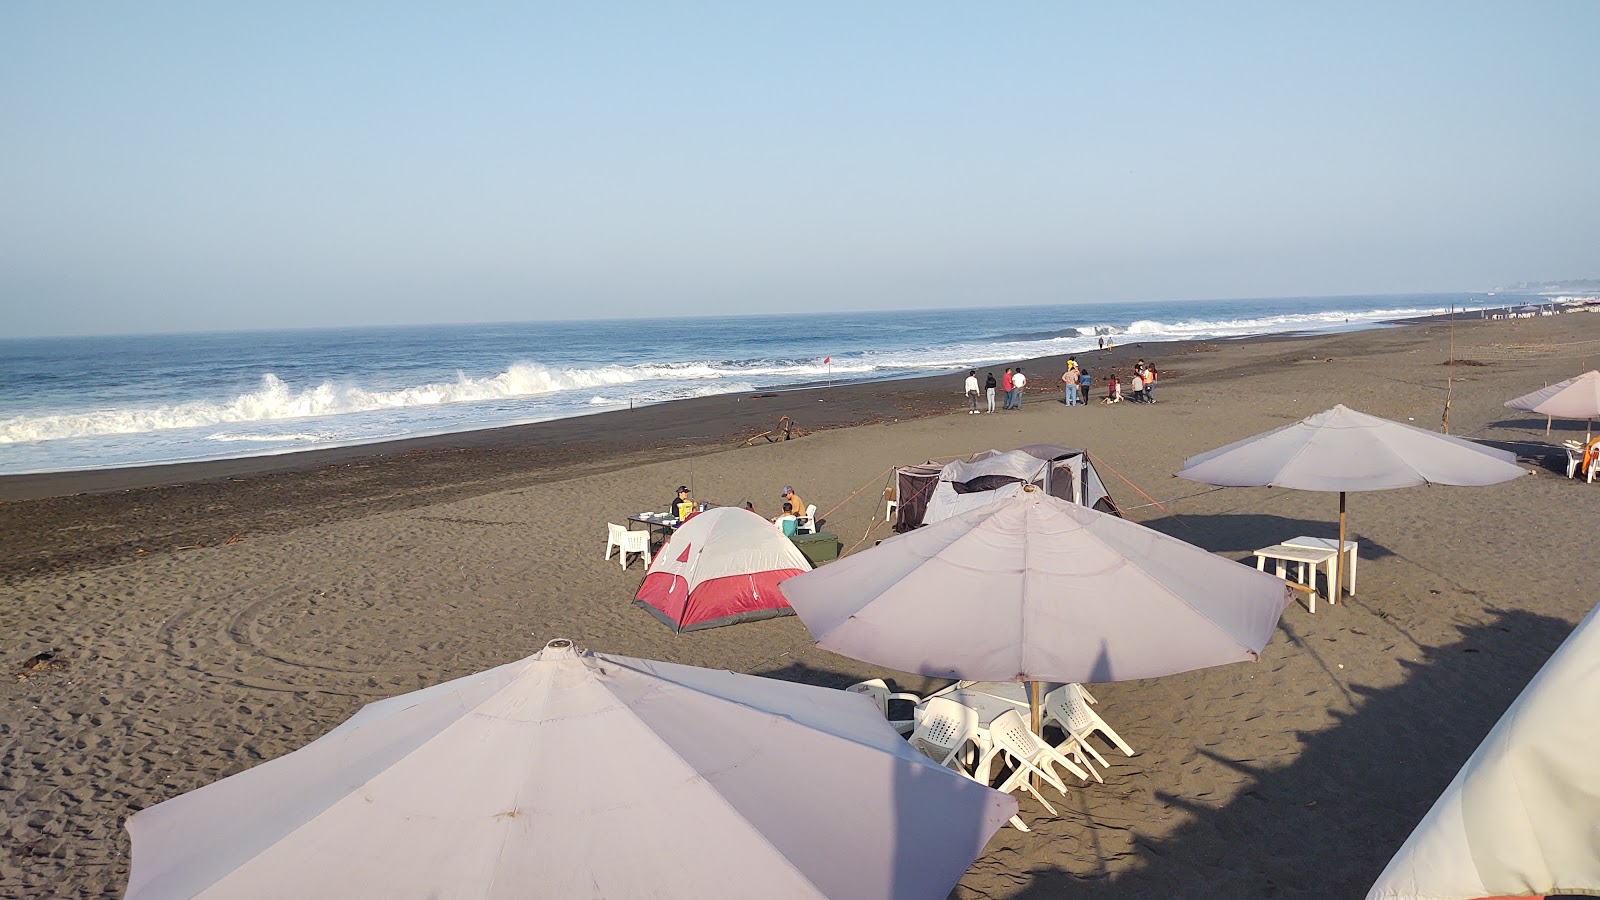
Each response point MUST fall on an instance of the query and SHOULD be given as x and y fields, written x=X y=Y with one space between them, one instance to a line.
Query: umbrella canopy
x=1032 y=588
x=1519 y=818
x=1575 y=398
x=1344 y=450
x=571 y=774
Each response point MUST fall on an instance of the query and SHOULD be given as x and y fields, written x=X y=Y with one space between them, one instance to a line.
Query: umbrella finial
x=560 y=648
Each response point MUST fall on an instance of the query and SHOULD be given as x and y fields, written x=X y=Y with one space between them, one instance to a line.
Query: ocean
x=98 y=402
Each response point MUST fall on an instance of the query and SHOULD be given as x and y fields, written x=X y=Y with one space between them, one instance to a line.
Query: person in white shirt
x=1018 y=382
x=1137 y=383
x=971 y=388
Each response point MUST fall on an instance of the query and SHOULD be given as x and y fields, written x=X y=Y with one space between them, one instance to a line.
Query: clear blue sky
x=188 y=166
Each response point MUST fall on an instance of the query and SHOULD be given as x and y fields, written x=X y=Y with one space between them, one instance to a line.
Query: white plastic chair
x=809 y=523
x=943 y=729
x=1574 y=456
x=1058 y=712
x=628 y=542
x=1031 y=755
x=1066 y=708
x=878 y=690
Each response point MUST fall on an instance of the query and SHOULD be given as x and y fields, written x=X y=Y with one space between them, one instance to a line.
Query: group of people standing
x=1011 y=383
x=1075 y=385
x=1141 y=387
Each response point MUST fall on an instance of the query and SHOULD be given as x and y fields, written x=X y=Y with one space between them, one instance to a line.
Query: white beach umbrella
x=1520 y=818
x=1032 y=588
x=1575 y=398
x=575 y=774
x=1344 y=450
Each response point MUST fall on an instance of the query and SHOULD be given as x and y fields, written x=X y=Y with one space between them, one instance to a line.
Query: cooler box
x=818 y=548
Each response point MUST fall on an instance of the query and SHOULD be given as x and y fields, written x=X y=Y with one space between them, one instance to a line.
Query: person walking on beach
x=1149 y=384
x=971 y=387
x=1006 y=388
x=1018 y=382
x=1102 y=343
x=1085 y=383
x=1069 y=385
x=989 y=386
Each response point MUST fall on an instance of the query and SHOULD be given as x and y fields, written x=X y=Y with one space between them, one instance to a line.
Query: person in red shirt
x=1006 y=387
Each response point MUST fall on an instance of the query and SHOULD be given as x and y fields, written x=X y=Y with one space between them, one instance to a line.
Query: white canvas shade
x=1344 y=450
x=1575 y=398
x=573 y=774
x=1033 y=588
x=1520 y=818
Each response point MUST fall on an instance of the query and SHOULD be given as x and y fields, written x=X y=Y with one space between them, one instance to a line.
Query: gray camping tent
x=932 y=492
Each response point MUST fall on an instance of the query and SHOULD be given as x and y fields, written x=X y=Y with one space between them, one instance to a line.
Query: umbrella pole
x=1338 y=557
x=1038 y=729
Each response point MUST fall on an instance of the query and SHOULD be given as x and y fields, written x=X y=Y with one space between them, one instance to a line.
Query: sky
x=203 y=166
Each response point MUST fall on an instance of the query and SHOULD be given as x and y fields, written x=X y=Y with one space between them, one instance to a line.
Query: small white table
x=1350 y=556
x=1308 y=559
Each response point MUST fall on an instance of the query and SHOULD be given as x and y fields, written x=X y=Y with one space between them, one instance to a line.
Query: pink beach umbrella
x=1575 y=398
x=1344 y=450
x=577 y=774
x=1033 y=588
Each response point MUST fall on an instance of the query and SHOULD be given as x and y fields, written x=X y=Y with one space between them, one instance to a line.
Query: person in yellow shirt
x=795 y=503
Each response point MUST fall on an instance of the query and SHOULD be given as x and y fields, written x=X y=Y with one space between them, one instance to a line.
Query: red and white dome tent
x=720 y=568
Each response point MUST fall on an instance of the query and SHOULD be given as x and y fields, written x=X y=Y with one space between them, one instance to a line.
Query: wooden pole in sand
x=1338 y=558
x=1038 y=729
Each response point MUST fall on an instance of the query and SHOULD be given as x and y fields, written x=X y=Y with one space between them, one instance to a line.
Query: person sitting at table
x=681 y=506
x=793 y=500
x=788 y=523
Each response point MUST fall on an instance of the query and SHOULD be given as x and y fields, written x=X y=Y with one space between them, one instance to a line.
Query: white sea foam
x=249 y=437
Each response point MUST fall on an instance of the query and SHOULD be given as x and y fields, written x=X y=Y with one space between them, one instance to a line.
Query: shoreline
x=139 y=510
x=862 y=401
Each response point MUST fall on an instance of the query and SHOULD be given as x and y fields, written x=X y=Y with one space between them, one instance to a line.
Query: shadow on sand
x=1244 y=532
x=1326 y=824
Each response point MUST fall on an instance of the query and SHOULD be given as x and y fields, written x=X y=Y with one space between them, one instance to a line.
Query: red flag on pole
x=826 y=360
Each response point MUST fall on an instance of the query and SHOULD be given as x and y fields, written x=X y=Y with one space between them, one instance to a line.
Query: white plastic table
x=1351 y=557
x=1308 y=560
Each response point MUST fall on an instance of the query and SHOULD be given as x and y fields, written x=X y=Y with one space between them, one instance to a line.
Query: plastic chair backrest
x=1011 y=734
x=617 y=532
x=877 y=689
x=945 y=725
x=1070 y=709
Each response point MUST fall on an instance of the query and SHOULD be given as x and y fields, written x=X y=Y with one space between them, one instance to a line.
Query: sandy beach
x=201 y=619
